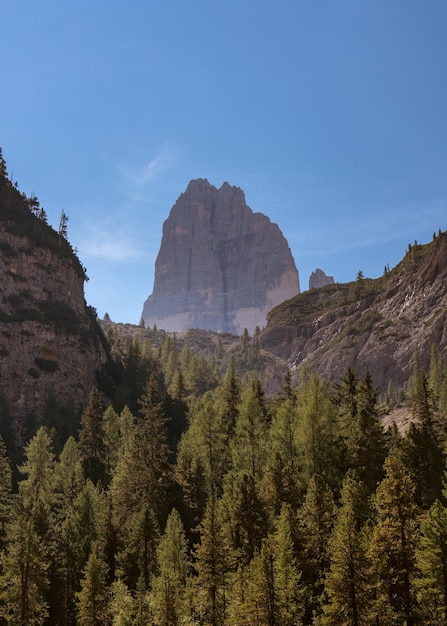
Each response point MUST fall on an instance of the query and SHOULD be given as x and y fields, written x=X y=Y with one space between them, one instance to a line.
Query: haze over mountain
x=220 y=266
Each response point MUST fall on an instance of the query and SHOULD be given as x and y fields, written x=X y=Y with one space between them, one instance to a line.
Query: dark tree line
x=300 y=509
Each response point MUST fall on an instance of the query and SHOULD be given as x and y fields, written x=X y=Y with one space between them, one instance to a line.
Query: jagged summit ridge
x=220 y=266
x=319 y=279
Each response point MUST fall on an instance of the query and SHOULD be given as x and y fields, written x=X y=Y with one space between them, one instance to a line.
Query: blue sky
x=331 y=115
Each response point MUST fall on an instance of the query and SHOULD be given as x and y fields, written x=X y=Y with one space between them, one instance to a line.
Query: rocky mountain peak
x=220 y=266
x=319 y=279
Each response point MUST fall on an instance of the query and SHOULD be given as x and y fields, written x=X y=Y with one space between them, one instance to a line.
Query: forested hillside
x=195 y=499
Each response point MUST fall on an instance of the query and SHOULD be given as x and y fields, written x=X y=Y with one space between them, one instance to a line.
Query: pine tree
x=173 y=565
x=288 y=580
x=91 y=439
x=393 y=544
x=231 y=393
x=151 y=446
x=239 y=597
x=431 y=566
x=86 y=519
x=248 y=446
x=142 y=476
x=126 y=423
x=24 y=578
x=347 y=585
x=260 y=598
x=112 y=439
x=67 y=563
x=282 y=479
x=69 y=477
x=211 y=567
x=202 y=458
x=421 y=448
x=93 y=598
x=317 y=434
x=316 y=520
x=272 y=592
x=363 y=434
x=122 y=605
x=137 y=557
x=244 y=518
x=37 y=488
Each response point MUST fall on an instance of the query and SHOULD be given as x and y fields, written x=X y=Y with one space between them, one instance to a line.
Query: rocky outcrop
x=220 y=266
x=50 y=343
x=319 y=279
x=375 y=325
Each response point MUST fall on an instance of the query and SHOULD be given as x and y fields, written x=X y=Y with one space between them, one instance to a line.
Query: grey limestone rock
x=220 y=266
x=319 y=279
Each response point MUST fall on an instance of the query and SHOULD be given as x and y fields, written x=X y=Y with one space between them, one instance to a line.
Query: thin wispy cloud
x=111 y=243
x=137 y=178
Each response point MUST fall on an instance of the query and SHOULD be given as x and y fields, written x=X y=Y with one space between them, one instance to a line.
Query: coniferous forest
x=194 y=499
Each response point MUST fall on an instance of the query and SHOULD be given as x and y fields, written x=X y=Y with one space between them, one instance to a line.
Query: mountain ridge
x=369 y=324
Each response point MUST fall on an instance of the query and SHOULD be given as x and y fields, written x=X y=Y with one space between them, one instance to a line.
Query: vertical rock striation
x=220 y=266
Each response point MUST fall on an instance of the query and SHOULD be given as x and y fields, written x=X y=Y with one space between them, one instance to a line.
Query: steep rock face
x=50 y=343
x=374 y=325
x=319 y=279
x=220 y=266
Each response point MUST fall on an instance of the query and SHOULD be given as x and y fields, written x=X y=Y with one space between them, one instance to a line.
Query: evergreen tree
x=86 y=516
x=282 y=479
x=122 y=605
x=347 y=584
x=240 y=596
x=317 y=435
x=66 y=571
x=151 y=439
x=260 y=596
x=288 y=582
x=142 y=475
x=431 y=566
x=91 y=439
x=37 y=507
x=364 y=436
x=137 y=557
x=421 y=449
x=202 y=458
x=67 y=564
x=316 y=520
x=211 y=567
x=69 y=477
x=248 y=446
x=112 y=439
x=272 y=593
x=392 y=548
x=231 y=394
x=173 y=565
x=190 y=475
x=126 y=423
x=38 y=485
x=24 y=577
x=93 y=598
x=244 y=518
